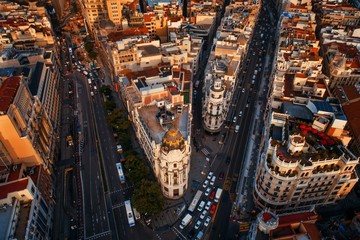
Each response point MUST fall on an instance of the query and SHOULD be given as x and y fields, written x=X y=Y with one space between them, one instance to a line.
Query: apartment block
x=26 y=200
x=159 y=103
x=302 y=168
x=221 y=73
x=28 y=86
x=350 y=101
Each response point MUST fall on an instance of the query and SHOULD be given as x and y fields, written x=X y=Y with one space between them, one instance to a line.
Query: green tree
x=109 y=105
x=89 y=47
x=136 y=169
x=147 y=198
x=106 y=90
x=118 y=120
x=92 y=55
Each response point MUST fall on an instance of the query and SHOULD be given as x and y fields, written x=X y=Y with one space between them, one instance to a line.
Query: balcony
x=327 y=169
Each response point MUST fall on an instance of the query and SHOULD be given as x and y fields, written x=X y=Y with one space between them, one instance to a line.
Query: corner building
x=303 y=171
x=174 y=162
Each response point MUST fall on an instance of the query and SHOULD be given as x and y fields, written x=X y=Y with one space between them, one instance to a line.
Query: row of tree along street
x=147 y=197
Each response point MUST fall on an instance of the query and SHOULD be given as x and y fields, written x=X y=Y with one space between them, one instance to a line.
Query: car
x=212 y=194
x=240 y=113
x=234 y=119
x=213 y=209
x=243 y=90
x=221 y=176
x=205 y=184
x=212 y=182
x=201 y=206
x=203 y=214
x=247 y=105
x=207 y=221
x=210 y=174
x=237 y=128
x=208 y=205
x=197 y=224
x=207 y=192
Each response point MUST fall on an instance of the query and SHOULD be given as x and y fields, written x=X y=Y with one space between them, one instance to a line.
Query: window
x=175 y=165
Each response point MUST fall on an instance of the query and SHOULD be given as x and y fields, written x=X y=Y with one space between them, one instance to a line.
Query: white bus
x=195 y=201
x=129 y=213
x=120 y=172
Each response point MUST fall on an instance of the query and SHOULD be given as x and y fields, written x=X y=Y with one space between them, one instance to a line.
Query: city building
x=302 y=167
x=29 y=83
x=350 y=100
x=286 y=226
x=342 y=64
x=221 y=73
x=159 y=104
x=26 y=203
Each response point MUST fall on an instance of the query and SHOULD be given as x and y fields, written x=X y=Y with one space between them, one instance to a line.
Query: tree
x=118 y=120
x=92 y=55
x=136 y=169
x=106 y=90
x=109 y=105
x=89 y=47
x=148 y=198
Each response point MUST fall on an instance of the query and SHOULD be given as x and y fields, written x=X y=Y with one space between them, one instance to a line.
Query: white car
x=201 y=206
x=203 y=214
x=243 y=90
x=234 y=119
x=206 y=183
x=208 y=205
x=212 y=182
x=240 y=114
x=207 y=221
x=197 y=224
x=207 y=192
x=209 y=176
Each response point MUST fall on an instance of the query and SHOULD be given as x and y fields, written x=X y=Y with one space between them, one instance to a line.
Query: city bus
x=120 y=172
x=195 y=201
x=129 y=213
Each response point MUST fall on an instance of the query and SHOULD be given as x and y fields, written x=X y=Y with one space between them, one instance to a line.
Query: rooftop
x=13 y=186
x=8 y=92
x=155 y=130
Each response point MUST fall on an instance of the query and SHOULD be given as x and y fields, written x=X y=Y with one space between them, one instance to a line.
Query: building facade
x=302 y=168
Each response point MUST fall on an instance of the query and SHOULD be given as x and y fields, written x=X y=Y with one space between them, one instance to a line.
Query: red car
x=212 y=209
x=212 y=194
x=221 y=176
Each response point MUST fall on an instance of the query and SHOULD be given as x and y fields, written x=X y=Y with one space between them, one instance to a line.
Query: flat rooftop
x=148 y=115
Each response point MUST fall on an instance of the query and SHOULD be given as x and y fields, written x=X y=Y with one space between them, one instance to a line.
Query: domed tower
x=174 y=164
x=214 y=116
x=267 y=221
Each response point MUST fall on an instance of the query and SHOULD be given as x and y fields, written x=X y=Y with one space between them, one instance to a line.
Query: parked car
x=212 y=194
x=207 y=221
x=208 y=205
x=221 y=176
x=207 y=192
x=197 y=224
x=213 y=209
x=209 y=176
x=212 y=182
x=203 y=214
x=205 y=184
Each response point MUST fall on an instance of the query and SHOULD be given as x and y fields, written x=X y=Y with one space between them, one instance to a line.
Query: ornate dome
x=172 y=139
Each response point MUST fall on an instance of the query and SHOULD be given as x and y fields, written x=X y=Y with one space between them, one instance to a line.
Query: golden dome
x=172 y=139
